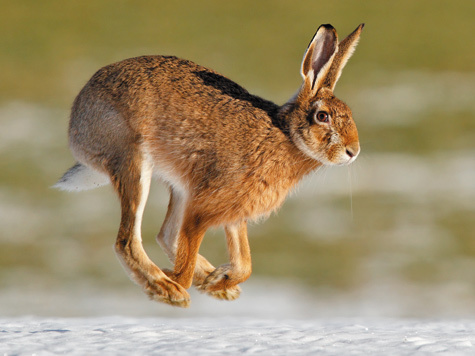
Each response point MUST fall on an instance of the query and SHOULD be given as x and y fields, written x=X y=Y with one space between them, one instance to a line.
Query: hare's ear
x=345 y=51
x=318 y=58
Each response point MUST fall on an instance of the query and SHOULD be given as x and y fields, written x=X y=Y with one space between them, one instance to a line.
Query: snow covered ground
x=278 y=319
x=234 y=336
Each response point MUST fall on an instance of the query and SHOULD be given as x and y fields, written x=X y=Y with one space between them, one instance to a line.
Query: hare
x=226 y=155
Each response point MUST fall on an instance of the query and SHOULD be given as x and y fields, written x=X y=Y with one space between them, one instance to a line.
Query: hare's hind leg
x=225 y=278
x=131 y=178
x=168 y=239
x=168 y=235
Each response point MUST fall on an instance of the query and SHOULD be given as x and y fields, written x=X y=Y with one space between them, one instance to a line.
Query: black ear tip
x=362 y=25
x=327 y=26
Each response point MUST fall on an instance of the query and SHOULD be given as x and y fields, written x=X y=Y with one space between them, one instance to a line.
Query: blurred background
x=392 y=235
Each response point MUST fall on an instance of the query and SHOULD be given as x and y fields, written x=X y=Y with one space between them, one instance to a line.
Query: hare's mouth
x=349 y=161
x=342 y=157
x=352 y=151
x=347 y=154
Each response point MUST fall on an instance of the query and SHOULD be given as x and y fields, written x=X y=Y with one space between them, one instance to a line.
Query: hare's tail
x=80 y=177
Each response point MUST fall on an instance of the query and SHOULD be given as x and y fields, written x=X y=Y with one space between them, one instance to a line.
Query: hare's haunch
x=227 y=156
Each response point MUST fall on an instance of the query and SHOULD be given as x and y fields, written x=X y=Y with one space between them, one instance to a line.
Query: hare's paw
x=220 y=284
x=165 y=290
x=231 y=293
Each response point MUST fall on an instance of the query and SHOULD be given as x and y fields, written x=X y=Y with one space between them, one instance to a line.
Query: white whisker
x=351 y=192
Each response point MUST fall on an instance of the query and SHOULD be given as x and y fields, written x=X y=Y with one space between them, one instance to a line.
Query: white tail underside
x=80 y=177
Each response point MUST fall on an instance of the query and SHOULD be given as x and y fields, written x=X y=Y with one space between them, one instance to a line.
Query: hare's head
x=320 y=124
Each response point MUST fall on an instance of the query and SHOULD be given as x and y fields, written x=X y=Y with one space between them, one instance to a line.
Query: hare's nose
x=352 y=150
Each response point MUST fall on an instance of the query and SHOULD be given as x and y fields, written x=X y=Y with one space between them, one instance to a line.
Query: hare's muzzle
x=352 y=151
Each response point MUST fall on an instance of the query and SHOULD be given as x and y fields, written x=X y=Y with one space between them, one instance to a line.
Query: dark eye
x=322 y=116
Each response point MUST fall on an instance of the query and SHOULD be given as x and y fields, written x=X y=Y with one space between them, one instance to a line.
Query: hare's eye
x=322 y=116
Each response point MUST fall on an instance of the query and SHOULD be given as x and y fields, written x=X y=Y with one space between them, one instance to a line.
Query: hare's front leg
x=226 y=278
x=131 y=178
x=168 y=240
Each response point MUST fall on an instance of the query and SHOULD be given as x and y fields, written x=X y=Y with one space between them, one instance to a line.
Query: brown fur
x=227 y=156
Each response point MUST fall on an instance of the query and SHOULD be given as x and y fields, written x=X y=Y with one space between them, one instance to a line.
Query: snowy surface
x=268 y=319
x=234 y=336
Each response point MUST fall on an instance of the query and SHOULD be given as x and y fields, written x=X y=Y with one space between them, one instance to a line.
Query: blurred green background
x=394 y=234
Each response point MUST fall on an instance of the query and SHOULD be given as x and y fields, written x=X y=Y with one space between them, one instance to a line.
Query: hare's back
x=149 y=79
x=168 y=95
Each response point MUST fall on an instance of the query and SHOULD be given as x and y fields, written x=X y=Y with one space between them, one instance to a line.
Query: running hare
x=227 y=156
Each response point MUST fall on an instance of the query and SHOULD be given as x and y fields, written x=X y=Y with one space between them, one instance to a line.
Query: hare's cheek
x=322 y=140
x=333 y=154
x=315 y=141
x=304 y=139
x=333 y=148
